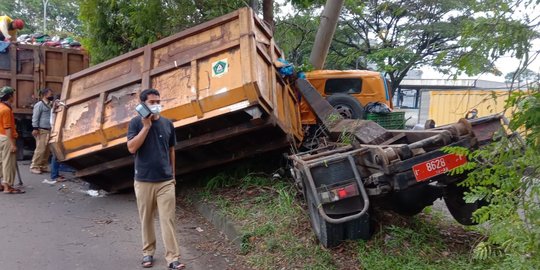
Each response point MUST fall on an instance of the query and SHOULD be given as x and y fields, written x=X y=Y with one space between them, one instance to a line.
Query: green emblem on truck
x=219 y=68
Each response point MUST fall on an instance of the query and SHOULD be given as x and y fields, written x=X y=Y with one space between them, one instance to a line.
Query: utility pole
x=325 y=33
x=45 y=3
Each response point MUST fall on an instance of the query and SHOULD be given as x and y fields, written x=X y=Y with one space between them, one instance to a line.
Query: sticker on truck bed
x=219 y=68
x=437 y=166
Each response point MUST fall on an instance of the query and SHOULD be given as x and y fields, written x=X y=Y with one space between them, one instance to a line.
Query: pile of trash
x=45 y=40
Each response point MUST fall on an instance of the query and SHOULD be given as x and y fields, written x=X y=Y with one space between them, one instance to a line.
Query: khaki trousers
x=40 y=160
x=8 y=162
x=160 y=195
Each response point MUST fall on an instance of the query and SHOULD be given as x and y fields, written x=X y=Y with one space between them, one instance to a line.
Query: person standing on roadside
x=8 y=146
x=41 y=124
x=152 y=140
x=55 y=165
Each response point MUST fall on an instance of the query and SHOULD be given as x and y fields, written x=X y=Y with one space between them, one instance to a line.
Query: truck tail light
x=339 y=193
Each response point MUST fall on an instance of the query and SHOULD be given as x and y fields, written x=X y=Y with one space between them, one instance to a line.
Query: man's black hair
x=144 y=94
x=6 y=97
x=44 y=91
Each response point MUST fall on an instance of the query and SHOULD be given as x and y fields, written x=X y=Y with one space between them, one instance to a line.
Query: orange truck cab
x=348 y=91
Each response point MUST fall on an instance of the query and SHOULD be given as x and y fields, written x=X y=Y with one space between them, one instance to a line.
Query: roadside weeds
x=274 y=231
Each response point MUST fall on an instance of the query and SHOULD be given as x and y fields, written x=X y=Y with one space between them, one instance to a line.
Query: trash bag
x=284 y=67
x=4 y=46
x=377 y=107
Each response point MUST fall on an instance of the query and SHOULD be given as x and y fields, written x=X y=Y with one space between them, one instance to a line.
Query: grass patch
x=425 y=241
x=276 y=233
x=274 y=225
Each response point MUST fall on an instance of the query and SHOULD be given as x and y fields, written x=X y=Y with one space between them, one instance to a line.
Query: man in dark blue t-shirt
x=152 y=140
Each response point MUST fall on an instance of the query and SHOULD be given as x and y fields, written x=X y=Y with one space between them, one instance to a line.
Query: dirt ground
x=60 y=226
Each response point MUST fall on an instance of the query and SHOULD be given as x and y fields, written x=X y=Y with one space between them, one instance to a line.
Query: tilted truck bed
x=218 y=85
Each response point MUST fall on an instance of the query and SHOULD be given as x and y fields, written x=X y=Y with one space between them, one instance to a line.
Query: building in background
x=445 y=100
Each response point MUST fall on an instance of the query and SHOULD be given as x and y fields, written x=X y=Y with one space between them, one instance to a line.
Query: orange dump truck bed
x=28 y=68
x=218 y=85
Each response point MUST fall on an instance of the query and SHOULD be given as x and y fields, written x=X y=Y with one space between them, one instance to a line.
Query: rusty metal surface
x=207 y=105
x=28 y=68
x=364 y=131
x=486 y=127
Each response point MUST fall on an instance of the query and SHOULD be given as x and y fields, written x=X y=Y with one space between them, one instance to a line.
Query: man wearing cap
x=8 y=136
x=9 y=27
x=41 y=124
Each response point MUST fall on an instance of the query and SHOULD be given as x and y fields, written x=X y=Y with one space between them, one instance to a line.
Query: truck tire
x=347 y=106
x=359 y=228
x=413 y=200
x=329 y=234
x=460 y=210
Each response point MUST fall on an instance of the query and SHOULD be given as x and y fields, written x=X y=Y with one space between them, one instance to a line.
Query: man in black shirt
x=152 y=140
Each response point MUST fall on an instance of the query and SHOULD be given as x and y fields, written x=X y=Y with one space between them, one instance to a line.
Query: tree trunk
x=254 y=4
x=268 y=13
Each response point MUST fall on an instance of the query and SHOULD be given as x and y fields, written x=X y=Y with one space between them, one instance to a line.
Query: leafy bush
x=506 y=174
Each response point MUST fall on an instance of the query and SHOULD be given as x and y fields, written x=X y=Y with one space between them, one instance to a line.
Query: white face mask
x=155 y=109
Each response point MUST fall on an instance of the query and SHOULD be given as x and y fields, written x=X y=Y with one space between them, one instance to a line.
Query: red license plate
x=437 y=166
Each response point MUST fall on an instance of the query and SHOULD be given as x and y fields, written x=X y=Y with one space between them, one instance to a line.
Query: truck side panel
x=28 y=68
x=217 y=83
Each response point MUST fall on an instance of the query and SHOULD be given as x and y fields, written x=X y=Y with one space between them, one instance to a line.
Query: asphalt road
x=60 y=226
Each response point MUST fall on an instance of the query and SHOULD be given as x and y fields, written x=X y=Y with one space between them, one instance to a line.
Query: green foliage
x=269 y=217
x=521 y=77
x=295 y=34
x=114 y=27
x=234 y=178
x=418 y=245
x=506 y=175
x=396 y=36
x=61 y=15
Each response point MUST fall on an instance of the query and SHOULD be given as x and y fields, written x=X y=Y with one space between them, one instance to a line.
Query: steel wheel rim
x=345 y=111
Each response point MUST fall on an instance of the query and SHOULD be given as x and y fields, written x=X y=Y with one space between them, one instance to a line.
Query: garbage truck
x=218 y=84
x=227 y=100
x=28 y=68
